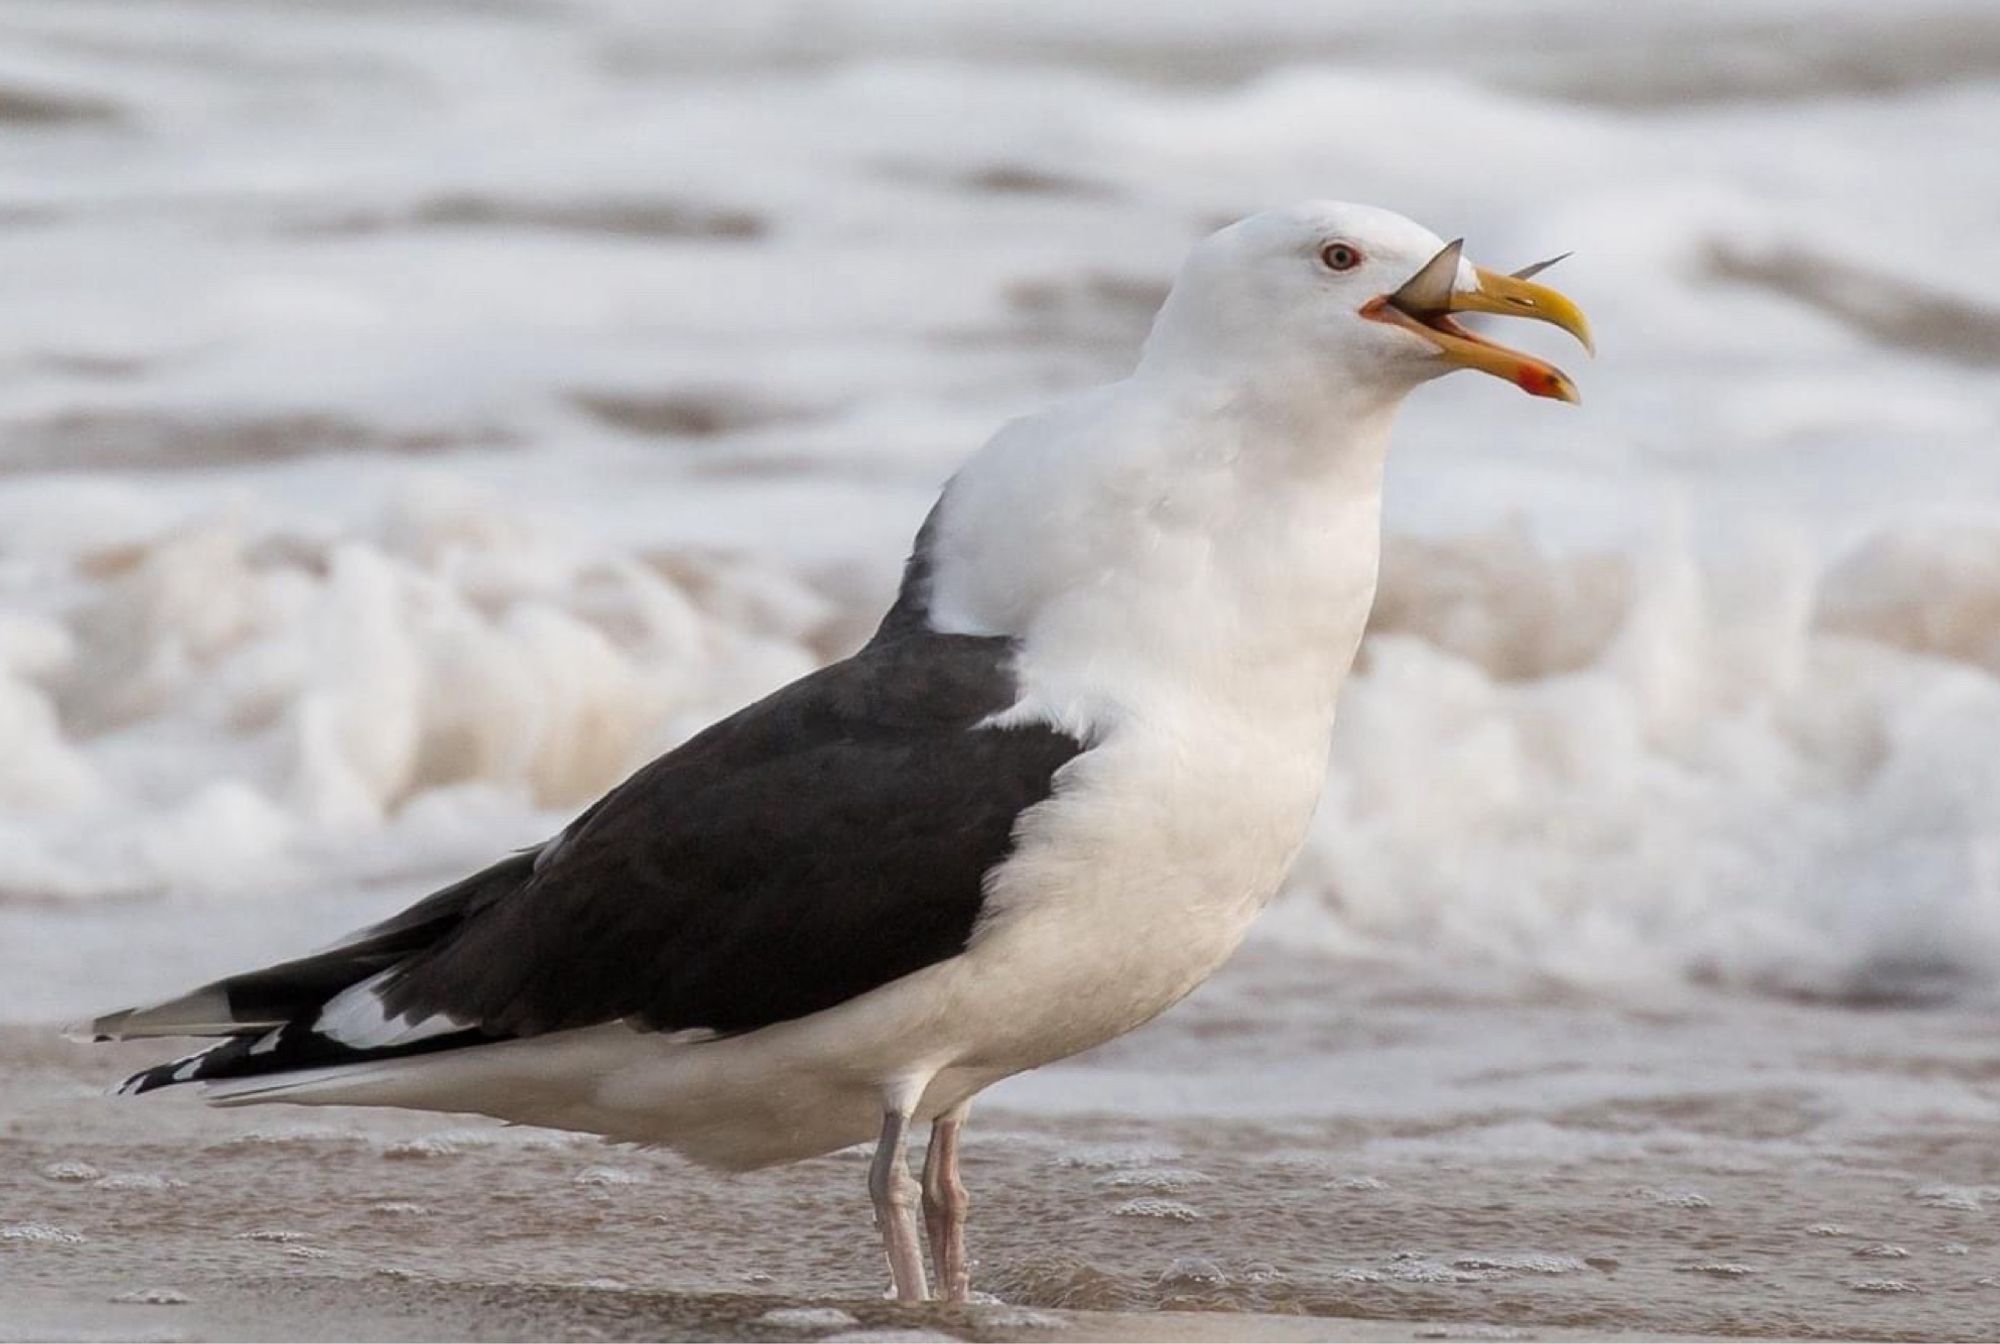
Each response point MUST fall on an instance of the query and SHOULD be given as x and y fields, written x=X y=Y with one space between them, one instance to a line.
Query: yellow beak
x=1512 y=296
x=1425 y=306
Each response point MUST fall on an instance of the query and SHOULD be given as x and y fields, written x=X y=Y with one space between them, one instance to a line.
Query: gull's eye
x=1340 y=256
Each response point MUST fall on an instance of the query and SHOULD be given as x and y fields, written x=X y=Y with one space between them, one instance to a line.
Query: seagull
x=1040 y=806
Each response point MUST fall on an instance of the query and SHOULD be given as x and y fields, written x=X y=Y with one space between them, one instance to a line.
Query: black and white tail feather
x=284 y=1019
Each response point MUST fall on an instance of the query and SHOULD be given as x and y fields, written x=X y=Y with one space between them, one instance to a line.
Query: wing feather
x=823 y=842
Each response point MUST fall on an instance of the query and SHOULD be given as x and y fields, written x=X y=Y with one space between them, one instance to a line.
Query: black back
x=827 y=840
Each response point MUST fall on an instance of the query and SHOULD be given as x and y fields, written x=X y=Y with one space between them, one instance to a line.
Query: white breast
x=1191 y=618
x=1132 y=885
x=1185 y=560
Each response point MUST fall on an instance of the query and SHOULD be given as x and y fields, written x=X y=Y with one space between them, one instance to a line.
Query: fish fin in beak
x=1424 y=304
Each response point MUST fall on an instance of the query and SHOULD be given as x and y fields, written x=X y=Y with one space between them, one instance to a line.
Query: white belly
x=1130 y=888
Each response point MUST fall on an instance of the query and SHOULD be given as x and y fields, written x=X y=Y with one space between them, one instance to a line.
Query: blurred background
x=415 y=415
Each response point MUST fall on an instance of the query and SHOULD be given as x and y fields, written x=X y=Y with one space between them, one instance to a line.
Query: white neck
x=1182 y=534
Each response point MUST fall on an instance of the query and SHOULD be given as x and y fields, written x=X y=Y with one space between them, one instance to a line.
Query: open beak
x=1425 y=303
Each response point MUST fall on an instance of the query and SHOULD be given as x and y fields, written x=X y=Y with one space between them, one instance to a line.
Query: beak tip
x=1543 y=380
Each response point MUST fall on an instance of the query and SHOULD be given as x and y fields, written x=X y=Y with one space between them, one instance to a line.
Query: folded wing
x=821 y=843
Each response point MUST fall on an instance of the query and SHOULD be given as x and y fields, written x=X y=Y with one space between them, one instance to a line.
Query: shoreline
x=1288 y=1156
x=310 y=1308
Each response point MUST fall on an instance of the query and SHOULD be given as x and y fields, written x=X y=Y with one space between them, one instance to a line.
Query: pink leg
x=895 y=1196
x=945 y=1206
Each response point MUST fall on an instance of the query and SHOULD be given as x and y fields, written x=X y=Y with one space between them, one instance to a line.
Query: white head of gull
x=1039 y=807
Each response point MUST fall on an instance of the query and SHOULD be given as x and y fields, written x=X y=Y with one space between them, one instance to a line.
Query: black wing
x=825 y=841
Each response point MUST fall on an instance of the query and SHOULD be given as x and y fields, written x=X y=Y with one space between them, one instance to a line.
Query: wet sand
x=1291 y=1155
x=300 y=1307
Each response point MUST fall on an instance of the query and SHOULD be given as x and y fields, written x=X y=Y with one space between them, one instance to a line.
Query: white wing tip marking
x=357 y=1017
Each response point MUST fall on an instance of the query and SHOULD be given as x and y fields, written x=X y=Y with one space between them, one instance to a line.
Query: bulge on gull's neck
x=1210 y=522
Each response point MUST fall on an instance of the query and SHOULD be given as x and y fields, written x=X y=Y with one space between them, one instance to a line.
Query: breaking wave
x=226 y=706
x=1604 y=768
x=1612 y=770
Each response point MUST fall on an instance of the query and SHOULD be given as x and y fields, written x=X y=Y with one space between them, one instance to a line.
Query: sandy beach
x=1288 y=1156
